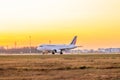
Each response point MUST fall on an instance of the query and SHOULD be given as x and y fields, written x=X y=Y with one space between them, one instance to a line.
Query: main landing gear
x=54 y=51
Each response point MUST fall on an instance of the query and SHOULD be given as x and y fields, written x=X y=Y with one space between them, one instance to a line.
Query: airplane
x=58 y=48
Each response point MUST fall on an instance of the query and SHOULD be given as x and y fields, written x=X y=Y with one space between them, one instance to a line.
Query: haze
x=95 y=22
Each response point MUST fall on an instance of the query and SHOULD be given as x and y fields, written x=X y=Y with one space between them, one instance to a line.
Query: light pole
x=15 y=44
x=30 y=43
x=49 y=41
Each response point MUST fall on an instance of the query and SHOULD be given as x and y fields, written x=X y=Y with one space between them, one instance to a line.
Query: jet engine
x=57 y=50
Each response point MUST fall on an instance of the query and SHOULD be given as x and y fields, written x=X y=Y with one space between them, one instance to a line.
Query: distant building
x=109 y=50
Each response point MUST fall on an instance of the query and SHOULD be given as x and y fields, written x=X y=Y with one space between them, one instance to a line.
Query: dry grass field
x=60 y=67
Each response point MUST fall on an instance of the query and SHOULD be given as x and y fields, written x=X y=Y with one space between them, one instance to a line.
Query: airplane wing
x=79 y=46
x=63 y=49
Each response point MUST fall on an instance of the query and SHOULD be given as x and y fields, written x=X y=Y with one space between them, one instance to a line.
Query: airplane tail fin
x=74 y=41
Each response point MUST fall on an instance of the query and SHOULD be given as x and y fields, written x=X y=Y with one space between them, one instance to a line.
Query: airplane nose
x=38 y=48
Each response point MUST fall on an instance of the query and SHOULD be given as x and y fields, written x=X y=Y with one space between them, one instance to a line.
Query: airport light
x=30 y=43
x=15 y=44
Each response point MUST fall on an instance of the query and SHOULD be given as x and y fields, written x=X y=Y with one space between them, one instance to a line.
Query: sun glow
x=95 y=22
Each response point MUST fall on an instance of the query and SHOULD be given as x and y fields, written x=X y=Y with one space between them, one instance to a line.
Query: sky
x=95 y=22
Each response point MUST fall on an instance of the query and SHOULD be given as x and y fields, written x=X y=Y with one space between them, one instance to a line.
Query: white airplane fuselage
x=57 y=48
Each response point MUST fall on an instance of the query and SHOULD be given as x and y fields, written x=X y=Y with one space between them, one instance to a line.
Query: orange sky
x=95 y=22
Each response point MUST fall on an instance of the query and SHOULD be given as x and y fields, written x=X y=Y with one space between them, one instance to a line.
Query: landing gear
x=53 y=52
x=43 y=52
x=61 y=52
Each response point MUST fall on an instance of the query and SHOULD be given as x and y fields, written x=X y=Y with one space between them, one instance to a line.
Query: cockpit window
x=40 y=46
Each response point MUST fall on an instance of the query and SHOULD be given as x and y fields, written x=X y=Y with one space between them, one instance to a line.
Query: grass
x=60 y=67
